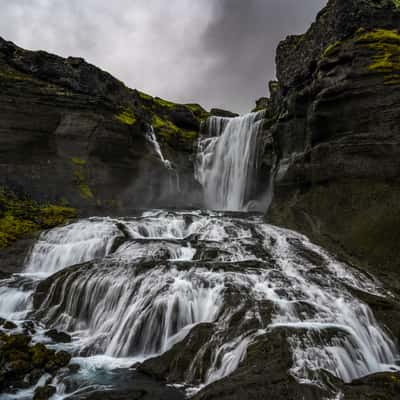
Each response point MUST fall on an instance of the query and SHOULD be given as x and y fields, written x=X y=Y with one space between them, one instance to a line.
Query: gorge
x=155 y=250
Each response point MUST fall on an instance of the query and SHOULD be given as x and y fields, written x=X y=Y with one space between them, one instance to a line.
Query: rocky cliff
x=332 y=141
x=70 y=131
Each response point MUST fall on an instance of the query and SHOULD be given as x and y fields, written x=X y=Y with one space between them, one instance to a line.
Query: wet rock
x=174 y=365
x=263 y=374
x=28 y=327
x=131 y=385
x=44 y=392
x=306 y=253
x=74 y=368
x=22 y=364
x=4 y=275
x=7 y=325
x=385 y=385
x=57 y=336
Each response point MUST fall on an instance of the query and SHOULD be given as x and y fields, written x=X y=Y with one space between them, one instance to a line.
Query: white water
x=151 y=137
x=179 y=269
x=226 y=161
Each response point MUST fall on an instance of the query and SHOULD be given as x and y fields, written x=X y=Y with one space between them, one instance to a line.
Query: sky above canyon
x=219 y=53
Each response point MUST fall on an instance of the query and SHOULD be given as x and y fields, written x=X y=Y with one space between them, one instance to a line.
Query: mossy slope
x=20 y=216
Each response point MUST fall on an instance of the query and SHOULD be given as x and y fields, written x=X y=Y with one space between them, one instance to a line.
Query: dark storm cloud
x=216 y=52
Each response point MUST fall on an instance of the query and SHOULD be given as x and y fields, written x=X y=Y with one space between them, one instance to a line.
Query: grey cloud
x=215 y=52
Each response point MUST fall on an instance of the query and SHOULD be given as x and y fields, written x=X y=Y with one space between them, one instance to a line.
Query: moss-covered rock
x=20 y=216
x=386 y=59
x=22 y=363
x=126 y=116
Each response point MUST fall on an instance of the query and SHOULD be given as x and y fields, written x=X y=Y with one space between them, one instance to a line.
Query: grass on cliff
x=126 y=117
x=80 y=178
x=386 y=46
x=170 y=132
x=20 y=216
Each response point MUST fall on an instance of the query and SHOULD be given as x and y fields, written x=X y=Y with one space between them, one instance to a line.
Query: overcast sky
x=219 y=53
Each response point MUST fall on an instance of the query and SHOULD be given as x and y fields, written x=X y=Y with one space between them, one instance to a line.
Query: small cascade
x=151 y=137
x=72 y=244
x=227 y=161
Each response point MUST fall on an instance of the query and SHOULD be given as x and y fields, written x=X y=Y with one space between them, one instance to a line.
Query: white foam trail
x=152 y=138
x=227 y=161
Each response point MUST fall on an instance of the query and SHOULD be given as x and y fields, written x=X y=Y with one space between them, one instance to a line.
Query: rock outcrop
x=70 y=131
x=333 y=142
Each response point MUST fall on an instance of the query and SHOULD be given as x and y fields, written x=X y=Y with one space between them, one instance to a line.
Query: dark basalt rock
x=263 y=374
x=71 y=131
x=130 y=385
x=58 y=337
x=385 y=385
x=7 y=325
x=12 y=257
x=44 y=392
x=217 y=112
x=335 y=134
x=22 y=364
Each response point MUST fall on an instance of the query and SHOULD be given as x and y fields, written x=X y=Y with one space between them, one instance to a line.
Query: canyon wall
x=72 y=133
x=332 y=139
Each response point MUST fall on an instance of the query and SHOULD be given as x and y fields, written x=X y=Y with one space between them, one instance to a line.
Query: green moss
x=198 y=111
x=330 y=50
x=170 y=132
x=83 y=187
x=78 y=161
x=85 y=190
x=164 y=103
x=12 y=228
x=53 y=215
x=127 y=117
x=164 y=127
x=189 y=135
x=21 y=216
x=386 y=46
x=80 y=179
x=14 y=75
x=380 y=35
x=144 y=96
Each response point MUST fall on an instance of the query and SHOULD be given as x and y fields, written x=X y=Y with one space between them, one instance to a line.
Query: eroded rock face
x=335 y=133
x=69 y=130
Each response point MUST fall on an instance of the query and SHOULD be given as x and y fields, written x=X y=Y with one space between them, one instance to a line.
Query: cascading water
x=151 y=137
x=134 y=287
x=129 y=289
x=227 y=161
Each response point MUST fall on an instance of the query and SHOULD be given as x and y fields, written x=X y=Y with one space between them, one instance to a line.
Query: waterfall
x=151 y=137
x=226 y=162
x=138 y=293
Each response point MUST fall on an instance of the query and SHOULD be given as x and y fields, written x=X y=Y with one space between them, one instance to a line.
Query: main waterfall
x=227 y=161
